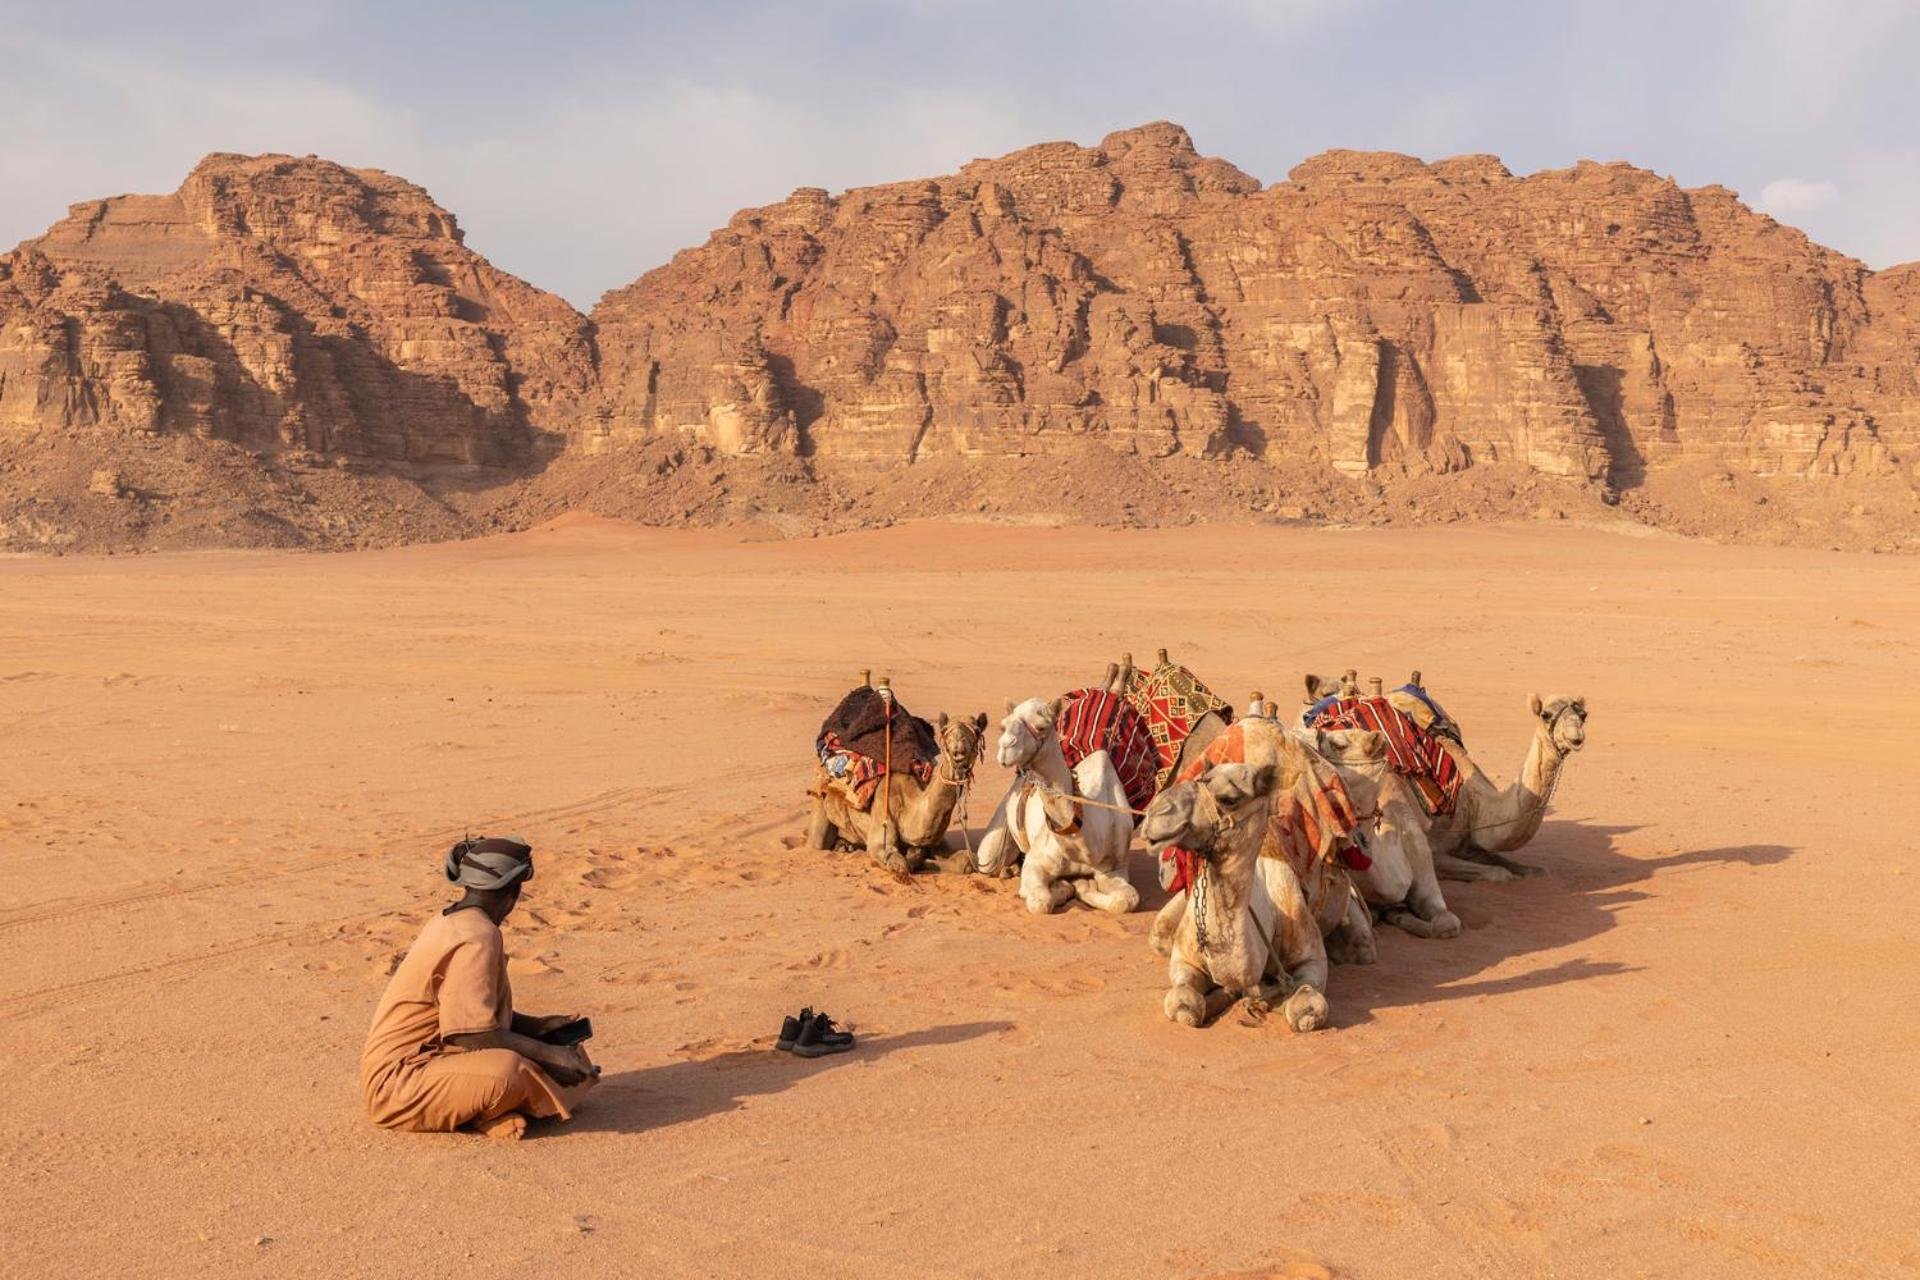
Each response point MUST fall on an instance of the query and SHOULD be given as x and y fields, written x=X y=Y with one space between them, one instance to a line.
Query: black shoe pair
x=812 y=1035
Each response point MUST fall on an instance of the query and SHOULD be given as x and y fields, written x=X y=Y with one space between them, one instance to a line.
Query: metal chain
x=1200 y=902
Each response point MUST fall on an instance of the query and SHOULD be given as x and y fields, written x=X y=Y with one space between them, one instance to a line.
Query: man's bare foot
x=510 y=1127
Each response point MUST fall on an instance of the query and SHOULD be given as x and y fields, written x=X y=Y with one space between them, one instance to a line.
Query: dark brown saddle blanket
x=859 y=724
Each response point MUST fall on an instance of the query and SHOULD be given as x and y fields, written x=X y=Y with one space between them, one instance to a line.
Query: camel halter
x=1034 y=782
x=1222 y=822
x=963 y=783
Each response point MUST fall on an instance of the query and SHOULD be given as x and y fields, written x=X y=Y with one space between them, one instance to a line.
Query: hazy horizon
x=584 y=144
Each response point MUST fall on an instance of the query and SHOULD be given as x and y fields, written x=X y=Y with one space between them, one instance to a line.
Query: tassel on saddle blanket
x=1313 y=817
x=1411 y=751
x=1095 y=720
x=855 y=736
x=1171 y=700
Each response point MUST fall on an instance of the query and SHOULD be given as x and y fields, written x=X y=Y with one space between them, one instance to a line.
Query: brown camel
x=1487 y=821
x=919 y=813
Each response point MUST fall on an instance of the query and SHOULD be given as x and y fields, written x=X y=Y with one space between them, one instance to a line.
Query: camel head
x=1025 y=729
x=1319 y=687
x=1198 y=815
x=1565 y=719
x=962 y=742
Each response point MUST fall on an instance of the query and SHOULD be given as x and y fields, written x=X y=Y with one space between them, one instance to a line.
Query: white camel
x=1401 y=885
x=1071 y=849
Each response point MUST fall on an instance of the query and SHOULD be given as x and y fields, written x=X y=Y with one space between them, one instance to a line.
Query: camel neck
x=1050 y=762
x=1543 y=762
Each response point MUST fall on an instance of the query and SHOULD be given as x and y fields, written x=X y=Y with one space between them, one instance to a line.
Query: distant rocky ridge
x=292 y=352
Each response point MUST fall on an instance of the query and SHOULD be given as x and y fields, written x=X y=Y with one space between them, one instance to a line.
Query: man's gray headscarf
x=491 y=862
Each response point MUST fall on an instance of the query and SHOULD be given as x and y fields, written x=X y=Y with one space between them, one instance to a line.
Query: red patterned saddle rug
x=1171 y=700
x=1412 y=752
x=1095 y=720
x=1313 y=819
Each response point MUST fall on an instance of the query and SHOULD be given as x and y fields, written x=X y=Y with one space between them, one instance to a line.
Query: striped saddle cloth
x=1412 y=752
x=1095 y=720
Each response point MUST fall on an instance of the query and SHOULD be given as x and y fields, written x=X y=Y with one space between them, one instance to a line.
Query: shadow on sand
x=1588 y=882
x=676 y=1092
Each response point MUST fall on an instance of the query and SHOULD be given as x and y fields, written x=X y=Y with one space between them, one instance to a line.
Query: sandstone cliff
x=280 y=303
x=1372 y=311
x=290 y=351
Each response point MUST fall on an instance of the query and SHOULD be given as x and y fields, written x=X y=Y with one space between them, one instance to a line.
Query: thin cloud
x=1788 y=198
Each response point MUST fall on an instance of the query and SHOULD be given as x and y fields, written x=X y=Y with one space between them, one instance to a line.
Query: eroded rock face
x=284 y=303
x=317 y=345
x=1370 y=311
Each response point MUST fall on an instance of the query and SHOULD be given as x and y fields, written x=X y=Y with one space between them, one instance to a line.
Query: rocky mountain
x=1373 y=326
x=286 y=304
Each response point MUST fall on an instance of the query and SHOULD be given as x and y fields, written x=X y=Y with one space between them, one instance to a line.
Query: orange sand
x=228 y=780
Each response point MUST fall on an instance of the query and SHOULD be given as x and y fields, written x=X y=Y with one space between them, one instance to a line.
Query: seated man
x=447 y=1049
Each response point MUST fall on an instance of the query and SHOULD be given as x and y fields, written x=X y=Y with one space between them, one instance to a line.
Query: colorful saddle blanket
x=854 y=739
x=1095 y=720
x=1312 y=822
x=1412 y=752
x=1172 y=700
x=1424 y=711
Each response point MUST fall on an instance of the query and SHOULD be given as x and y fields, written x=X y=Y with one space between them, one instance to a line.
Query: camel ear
x=1263 y=778
x=1580 y=704
x=1313 y=685
x=1054 y=709
x=1533 y=703
x=941 y=723
x=980 y=722
x=1009 y=706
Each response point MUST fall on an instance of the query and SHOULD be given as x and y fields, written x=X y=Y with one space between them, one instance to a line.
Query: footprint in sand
x=831 y=958
x=529 y=965
x=608 y=877
x=638 y=977
x=1053 y=985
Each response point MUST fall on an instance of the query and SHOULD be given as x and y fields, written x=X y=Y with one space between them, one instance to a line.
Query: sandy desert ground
x=227 y=781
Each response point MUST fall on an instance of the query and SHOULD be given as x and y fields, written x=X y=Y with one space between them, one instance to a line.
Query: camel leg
x=1422 y=912
x=1448 y=867
x=997 y=854
x=1301 y=955
x=1107 y=891
x=1167 y=923
x=821 y=833
x=1186 y=998
x=880 y=850
x=1352 y=942
x=1523 y=870
x=1041 y=892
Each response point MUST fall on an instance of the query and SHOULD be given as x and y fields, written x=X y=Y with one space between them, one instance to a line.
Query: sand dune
x=228 y=779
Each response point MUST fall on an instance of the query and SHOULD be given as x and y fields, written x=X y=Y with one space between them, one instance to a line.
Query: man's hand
x=543 y=1026
x=567 y=1064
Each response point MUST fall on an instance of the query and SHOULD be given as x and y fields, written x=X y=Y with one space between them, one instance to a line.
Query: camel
x=1070 y=848
x=1332 y=901
x=1248 y=929
x=920 y=813
x=1489 y=821
x=1402 y=885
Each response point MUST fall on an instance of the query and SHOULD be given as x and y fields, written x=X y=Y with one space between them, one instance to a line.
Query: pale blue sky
x=583 y=143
